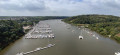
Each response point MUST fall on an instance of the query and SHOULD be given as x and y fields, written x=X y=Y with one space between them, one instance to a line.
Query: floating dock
x=41 y=30
x=37 y=49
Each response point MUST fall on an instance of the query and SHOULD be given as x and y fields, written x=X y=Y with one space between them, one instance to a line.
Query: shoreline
x=79 y=25
x=8 y=46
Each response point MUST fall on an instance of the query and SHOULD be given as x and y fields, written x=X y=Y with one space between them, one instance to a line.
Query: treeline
x=9 y=32
x=11 y=28
x=91 y=19
x=30 y=20
x=107 y=25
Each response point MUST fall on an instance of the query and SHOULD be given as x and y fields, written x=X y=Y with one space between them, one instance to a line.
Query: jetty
x=35 y=50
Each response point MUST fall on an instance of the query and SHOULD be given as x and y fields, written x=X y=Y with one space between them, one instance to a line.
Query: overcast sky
x=58 y=7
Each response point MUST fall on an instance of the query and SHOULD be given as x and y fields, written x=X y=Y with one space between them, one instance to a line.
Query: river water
x=67 y=42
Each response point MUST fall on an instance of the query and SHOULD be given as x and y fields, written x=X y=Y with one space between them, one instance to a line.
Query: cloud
x=110 y=7
x=59 y=7
x=22 y=5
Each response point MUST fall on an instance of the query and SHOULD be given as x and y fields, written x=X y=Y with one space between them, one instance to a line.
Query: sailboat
x=80 y=37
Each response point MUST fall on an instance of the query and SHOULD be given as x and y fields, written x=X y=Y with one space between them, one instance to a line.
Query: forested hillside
x=9 y=32
x=91 y=19
x=107 y=25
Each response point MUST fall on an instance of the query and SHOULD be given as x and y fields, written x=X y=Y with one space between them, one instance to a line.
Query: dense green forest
x=11 y=28
x=9 y=32
x=107 y=25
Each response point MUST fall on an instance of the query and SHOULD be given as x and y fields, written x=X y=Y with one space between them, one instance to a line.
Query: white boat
x=117 y=53
x=80 y=37
x=41 y=48
x=37 y=48
x=97 y=38
x=45 y=47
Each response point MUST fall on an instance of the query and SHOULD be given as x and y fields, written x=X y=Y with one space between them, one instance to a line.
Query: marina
x=41 y=30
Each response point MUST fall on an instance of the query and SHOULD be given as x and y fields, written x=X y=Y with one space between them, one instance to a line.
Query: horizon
x=58 y=16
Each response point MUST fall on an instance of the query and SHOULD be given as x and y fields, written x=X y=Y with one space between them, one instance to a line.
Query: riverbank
x=115 y=37
x=10 y=31
x=105 y=25
x=9 y=46
x=26 y=30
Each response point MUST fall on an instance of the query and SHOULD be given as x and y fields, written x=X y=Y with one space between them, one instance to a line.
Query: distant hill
x=91 y=19
x=26 y=17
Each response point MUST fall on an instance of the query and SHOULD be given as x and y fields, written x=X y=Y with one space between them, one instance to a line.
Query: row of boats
x=117 y=53
x=41 y=30
x=37 y=49
x=81 y=37
x=92 y=34
x=40 y=36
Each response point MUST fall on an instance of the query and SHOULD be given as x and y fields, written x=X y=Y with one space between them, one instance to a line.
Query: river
x=67 y=42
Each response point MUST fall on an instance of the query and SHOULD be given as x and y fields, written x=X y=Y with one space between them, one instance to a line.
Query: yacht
x=80 y=37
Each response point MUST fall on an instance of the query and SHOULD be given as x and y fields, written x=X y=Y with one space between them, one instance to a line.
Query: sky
x=58 y=7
